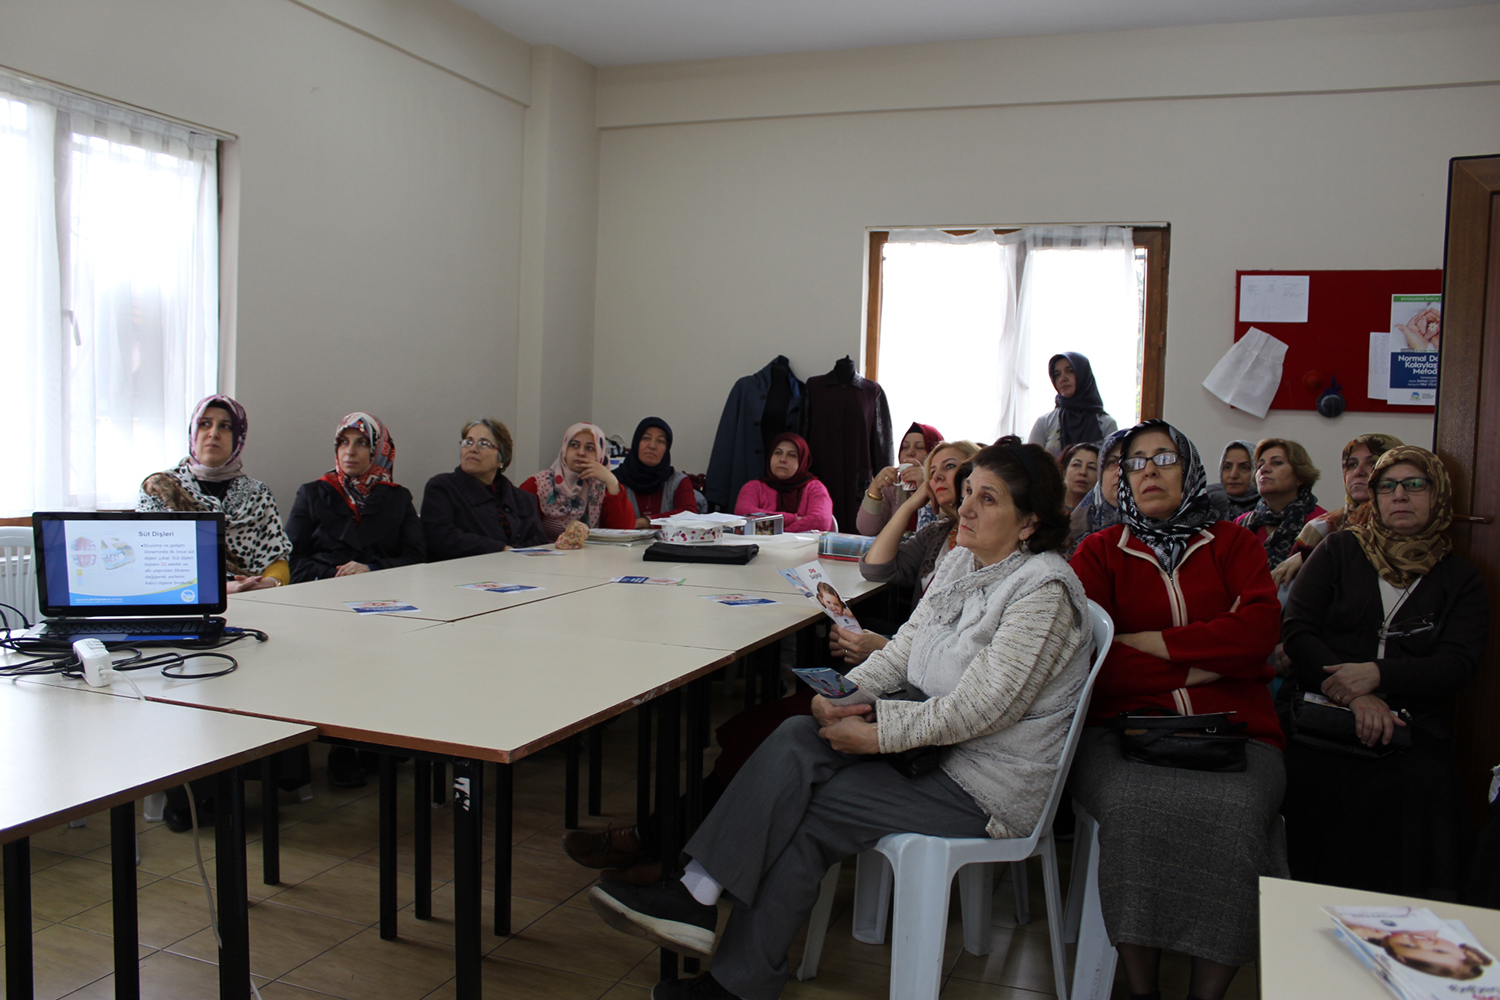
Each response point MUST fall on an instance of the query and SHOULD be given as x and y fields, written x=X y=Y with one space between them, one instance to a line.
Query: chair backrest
x=17 y=575
x=1104 y=635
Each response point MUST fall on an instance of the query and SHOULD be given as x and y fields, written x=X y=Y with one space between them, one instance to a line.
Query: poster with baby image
x=810 y=581
x=1418 y=955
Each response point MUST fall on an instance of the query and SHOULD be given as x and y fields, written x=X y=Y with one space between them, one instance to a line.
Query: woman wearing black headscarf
x=1079 y=416
x=648 y=477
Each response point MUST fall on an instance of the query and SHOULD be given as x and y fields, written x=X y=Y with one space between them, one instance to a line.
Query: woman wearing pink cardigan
x=789 y=489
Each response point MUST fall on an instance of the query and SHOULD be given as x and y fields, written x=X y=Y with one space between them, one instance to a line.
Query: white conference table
x=1301 y=959
x=500 y=682
x=60 y=759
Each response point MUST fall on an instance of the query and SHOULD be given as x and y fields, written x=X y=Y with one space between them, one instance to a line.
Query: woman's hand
x=854 y=647
x=598 y=470
x=827 y=713
x=573 y=536
x=884 y=478
x=1147 y=642
x=852 y=735
x=240 y=584
x=1197 y=676
x=1286 y=571
x=1373 y=720
x=642 y=523
x=1350 y=681
x=350 y=568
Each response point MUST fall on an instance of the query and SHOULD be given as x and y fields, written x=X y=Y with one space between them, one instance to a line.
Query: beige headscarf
x=1400 y=559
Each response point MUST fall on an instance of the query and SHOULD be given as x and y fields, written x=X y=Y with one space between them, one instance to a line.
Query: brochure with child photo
x=811 y=583
x=1417 y=955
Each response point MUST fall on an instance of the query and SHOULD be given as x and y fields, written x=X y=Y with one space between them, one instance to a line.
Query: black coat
x=324 y=535
x=1334 y=612
x=461 y=517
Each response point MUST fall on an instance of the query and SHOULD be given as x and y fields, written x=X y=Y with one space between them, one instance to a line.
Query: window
x=108 y=295
x=961 y=323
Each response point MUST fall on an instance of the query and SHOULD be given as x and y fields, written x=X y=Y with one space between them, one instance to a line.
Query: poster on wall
x=1403 y=366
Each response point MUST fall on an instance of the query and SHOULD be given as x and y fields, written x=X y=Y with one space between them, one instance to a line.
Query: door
x=1467 y=433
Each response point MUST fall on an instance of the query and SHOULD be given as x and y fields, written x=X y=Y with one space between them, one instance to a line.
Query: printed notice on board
x=1274 y=298
x=1403 y=367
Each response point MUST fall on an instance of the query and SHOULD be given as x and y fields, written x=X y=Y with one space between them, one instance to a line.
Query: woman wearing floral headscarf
x=1196 y=617
x=211 y=478
x=355 y=519
x=1079 y=416
x=579 y=486
x=1385 y=619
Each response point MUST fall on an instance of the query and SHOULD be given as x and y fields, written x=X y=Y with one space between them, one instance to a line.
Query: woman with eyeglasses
x=1097 y=510
x=1079 y=415
x=475 y=509
x=355 y=519
x=1387 y=622
x=579 y=488
x=1180 y=850
x=1285 y=476
x=1358 y=462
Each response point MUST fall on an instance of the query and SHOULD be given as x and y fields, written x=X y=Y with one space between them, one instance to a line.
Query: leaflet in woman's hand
x=827 y=681
x=811 y=583
x=1416 y=954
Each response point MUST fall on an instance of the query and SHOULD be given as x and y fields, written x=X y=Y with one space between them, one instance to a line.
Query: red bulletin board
x=1343 y=309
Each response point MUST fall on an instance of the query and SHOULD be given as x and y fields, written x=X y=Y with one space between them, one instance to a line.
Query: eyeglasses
x=483 y=444
x=1413 y=626
x=1136 y=462
x=1416 y=484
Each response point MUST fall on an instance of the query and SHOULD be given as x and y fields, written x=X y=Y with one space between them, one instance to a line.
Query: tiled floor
x=314 y=935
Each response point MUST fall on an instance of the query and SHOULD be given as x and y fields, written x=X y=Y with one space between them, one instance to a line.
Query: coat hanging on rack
x=847 y=424
x=759 y=407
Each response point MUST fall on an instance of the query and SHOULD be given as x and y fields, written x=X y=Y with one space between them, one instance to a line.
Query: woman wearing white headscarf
x=579 y=486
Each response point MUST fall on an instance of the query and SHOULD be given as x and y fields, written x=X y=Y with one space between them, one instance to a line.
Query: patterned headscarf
x=1079 y=419
x=356 y=489
x=1169 y=538
x=639 y=476
x=562 y=495
x=1104 y=511
x=1400 y=559
x=239 y=426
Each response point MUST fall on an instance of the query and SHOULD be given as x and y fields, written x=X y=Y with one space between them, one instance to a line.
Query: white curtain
x=964 y=299
x=108 y=295
x=1080 y=291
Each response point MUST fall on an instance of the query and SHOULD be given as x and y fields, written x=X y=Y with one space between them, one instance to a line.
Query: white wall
x=735 y=195
x=380 y=162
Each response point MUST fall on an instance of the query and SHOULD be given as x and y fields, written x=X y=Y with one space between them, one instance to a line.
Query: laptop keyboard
x=68 y=628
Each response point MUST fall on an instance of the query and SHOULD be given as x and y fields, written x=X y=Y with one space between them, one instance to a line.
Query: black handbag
x=916 y=762
x=673 y=552
x=1331 y=728
x=1165 y=738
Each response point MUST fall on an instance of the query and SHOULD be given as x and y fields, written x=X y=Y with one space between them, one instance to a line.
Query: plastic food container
x=691 y=532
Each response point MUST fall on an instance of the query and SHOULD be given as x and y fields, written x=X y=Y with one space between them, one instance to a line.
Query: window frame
x=1155 y=240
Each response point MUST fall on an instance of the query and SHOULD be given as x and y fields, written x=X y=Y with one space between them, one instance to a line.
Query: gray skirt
x=1180 y=851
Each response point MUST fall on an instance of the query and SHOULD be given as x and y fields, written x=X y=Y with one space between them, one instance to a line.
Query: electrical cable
x=52 y=657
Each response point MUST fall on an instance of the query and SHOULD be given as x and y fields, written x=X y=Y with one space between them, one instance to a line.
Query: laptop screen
x=129 y=564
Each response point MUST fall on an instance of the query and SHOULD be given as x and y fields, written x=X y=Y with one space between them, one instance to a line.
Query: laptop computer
x=130 y=577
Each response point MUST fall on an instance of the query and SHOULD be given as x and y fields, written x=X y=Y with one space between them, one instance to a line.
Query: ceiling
x=625 y=32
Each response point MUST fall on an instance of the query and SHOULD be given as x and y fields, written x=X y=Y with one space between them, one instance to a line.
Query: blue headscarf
x=639 y=476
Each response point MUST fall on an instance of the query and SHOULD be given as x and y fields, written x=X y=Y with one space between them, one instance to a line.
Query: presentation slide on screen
x=127 y=562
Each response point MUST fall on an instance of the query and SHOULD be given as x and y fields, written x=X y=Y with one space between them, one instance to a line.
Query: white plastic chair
x=17 y=574
x=1095 y=958
x=921 y=868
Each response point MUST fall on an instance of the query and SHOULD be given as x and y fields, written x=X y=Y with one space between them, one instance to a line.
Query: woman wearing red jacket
x=1196 y=618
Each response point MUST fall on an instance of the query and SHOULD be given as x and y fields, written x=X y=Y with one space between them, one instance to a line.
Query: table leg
x=570 y=783
x=388 y=807
x=504 y=803
x=748 y=667
x=643 y=764
x=468 y=831
x=127 y=917
x=422 y=836
x=439 y=783
x=668 y=758
x=596 y=771
x=270 y=822
x=234 y=902
x=17 y=864
x=697 y=724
